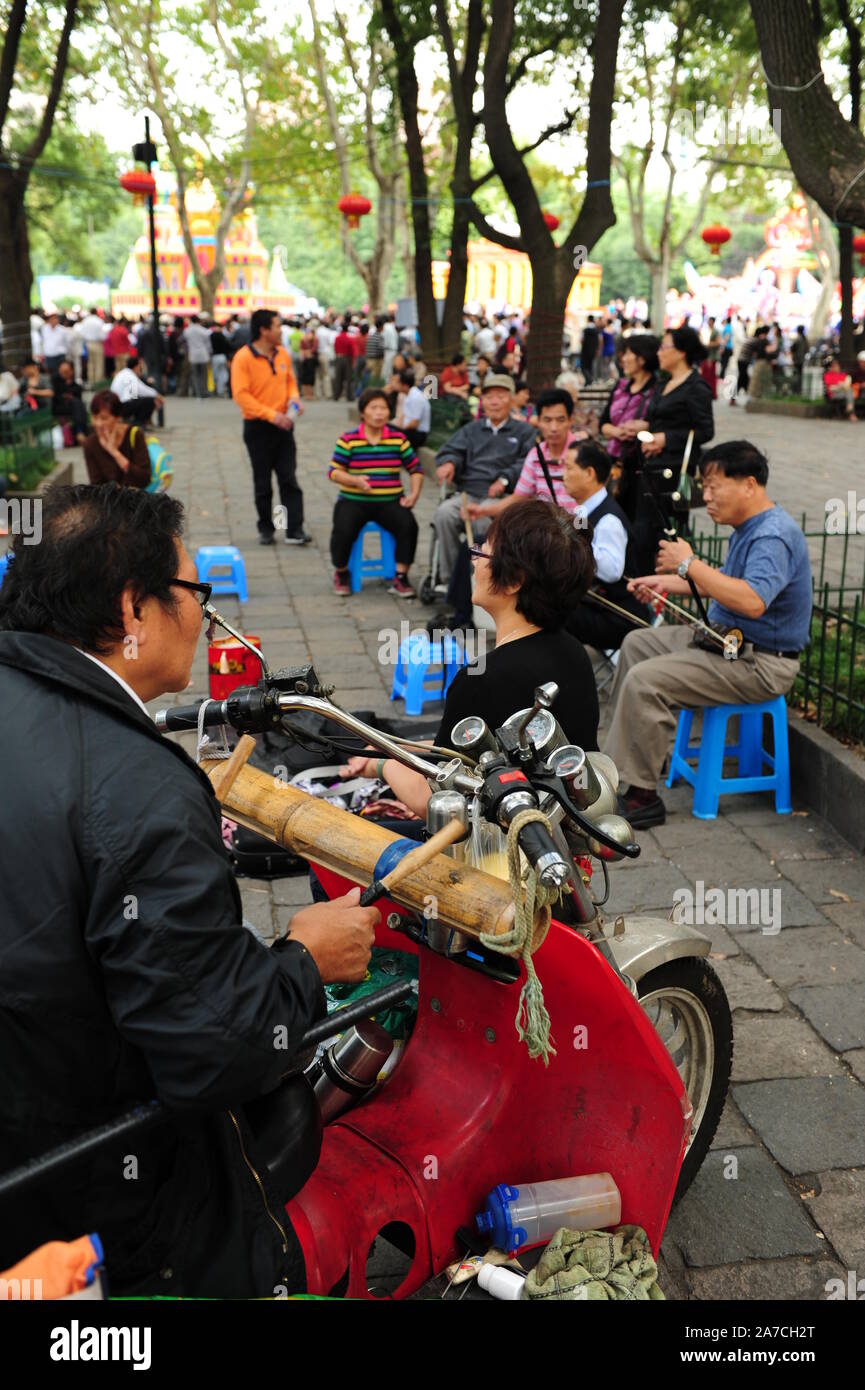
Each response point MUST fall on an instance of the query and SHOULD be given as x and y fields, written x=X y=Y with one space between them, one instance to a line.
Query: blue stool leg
x=710 y=766
x=783 y=802
x=751 y=743
x=680 y=746
x=388 y=553
x=238 y=574
x=416 y=670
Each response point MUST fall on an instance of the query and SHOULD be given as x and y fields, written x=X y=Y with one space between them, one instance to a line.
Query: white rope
x=206 y=746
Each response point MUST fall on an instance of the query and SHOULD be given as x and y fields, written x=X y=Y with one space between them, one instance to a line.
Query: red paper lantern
x=859 y=246
x=139 y=182
x=353 y=207
x=715 y=236
x=551 y=221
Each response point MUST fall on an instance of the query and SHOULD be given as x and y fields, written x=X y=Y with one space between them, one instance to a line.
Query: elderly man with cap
x=483 y=459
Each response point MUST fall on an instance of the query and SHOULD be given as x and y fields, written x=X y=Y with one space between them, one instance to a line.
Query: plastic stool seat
x=707 y=777
x=381 y=567
x=425 y=669
x=209 y=559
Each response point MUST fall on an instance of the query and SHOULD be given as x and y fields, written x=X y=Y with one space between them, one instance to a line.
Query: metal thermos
x=348 y=1070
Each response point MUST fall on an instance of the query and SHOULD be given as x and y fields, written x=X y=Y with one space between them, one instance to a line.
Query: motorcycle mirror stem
x=215 y=617
x=544 y=697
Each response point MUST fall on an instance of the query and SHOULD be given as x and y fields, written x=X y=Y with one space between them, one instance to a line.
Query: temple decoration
x=252 y=279
x=500 y=279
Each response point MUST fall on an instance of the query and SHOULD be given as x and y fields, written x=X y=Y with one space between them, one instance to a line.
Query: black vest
x=618 y=590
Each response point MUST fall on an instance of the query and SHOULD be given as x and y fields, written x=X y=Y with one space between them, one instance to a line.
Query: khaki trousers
x=95 y=362
x=660 y=672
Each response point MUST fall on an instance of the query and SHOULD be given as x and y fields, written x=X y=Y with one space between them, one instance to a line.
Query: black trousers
x=139 y=410
x=591 y=623
x=350 y=517
x=587 y=366
x=416 y=438
x=71 y=408
x=343 y=377
x=742 y=370
x=272 y=450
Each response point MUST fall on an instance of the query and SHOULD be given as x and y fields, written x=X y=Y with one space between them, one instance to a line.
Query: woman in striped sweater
x=366 y=468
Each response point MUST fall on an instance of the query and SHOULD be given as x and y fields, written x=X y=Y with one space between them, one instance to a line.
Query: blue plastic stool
x=425 y=669
x=383 y=567
x=210 y=558
x=4 y=565
x=708 y=779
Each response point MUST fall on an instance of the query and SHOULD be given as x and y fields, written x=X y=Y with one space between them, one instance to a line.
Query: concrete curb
x=828 y=778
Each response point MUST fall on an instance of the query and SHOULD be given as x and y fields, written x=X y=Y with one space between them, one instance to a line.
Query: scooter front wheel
x=427 y=591
x=686 y=1004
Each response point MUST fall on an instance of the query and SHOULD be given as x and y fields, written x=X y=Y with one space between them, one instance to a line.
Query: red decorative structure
x=353 y=207
x=551 y=220
x=139 y=182
x=859 y=246
x=715 y=236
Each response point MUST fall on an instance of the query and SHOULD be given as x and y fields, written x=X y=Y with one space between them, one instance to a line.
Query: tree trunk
x=845 y=270
x=16 y=275
x=826 y=152
x=550 y=290
x=659 y=277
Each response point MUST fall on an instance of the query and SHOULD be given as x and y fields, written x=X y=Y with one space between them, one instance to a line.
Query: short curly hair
x=536 y=545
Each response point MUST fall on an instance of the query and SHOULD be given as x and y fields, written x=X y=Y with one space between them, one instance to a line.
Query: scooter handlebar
x=544 y=856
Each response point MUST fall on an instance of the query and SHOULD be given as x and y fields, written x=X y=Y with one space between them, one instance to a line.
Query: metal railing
x=830 y=687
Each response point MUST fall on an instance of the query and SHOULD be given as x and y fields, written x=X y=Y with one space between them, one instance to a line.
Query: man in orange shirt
x=264 y=386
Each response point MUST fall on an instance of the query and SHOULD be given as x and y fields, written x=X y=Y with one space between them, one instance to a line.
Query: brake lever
x=555 y=787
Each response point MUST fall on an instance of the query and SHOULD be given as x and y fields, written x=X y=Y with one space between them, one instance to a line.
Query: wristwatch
x=503 y=480
x=682 y=569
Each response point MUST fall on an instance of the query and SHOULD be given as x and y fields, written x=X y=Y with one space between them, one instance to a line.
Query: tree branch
x=37 y=145
x=9 y=59
x=492 y=233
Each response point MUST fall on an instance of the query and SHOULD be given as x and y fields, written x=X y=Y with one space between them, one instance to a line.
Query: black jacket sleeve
x=213 y=1011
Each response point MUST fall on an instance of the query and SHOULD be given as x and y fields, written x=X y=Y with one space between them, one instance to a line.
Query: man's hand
x=446 y=472
x=282 y=422
x=298 y=406
x=497 y=489
x=359 y=766
x=407 y=501
x=160 y=402
x=648 y=588
x=338 y=935
x=479 y=509
x=670 y=555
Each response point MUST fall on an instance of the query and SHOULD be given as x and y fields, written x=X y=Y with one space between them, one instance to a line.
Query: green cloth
x=596 y=1266
x=385 y=968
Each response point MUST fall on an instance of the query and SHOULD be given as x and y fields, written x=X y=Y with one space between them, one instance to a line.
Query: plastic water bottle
x=501 y=1283
x=531 y=1213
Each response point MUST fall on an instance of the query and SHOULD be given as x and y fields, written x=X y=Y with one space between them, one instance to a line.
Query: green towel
x=596 y=1265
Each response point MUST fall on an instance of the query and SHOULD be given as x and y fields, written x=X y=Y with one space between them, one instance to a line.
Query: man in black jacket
x=125 y=971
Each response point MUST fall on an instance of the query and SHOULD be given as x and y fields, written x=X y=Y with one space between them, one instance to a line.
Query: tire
x=427 y=592
x=687 y=994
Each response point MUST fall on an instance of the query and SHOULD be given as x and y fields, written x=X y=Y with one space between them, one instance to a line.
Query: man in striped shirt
x=555 y=409
x=366 y=468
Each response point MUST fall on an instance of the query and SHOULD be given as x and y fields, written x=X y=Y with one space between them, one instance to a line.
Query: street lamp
x=145 y=153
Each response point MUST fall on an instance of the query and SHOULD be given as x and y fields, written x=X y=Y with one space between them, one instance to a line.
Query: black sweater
x=688 y=407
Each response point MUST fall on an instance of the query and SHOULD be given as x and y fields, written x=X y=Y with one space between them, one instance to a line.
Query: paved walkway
x=789 y=1213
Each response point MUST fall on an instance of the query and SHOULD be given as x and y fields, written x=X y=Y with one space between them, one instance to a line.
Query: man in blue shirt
x=763 y=589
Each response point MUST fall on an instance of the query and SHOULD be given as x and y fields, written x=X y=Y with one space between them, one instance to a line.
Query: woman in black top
x=680 y=404
x=532 y=569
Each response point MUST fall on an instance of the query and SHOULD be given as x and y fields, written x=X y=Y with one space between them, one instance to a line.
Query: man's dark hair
x=407 y=377
x=557 y=395
x=687 y=340
x=96 y=541
x=457 y=359
x=261 y=319
x=372 y=393
x=106 y=400
x=520 y=385
x=737 y=458
x=482 y=357
x=538 y=547
x=588 y=454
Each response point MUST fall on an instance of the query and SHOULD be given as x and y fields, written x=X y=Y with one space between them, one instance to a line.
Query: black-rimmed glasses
x=201 y=591
x=478 y=553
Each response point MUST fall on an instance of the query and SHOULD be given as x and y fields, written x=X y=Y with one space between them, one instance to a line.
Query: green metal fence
x=26 y=449
x=830 y=687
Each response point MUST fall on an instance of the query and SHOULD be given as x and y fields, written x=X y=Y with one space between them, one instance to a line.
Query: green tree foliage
x=73 y=199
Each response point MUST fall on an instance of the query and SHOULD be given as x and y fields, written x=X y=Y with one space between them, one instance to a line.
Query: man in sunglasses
x=125 y=972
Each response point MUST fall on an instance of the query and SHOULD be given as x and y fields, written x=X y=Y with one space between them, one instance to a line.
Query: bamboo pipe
x=466 y=898
x=226 y=769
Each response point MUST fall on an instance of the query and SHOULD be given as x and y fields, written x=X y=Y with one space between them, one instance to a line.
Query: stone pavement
x=779 y=1206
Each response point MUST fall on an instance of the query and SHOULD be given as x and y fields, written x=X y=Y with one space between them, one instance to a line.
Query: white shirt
x=391 y=337
x=129 y=386
x=609 y=539
x=324 y=340
x=93 y=329
x=198 y=346
x=114 y=676
x=417 y=407
x=55 y=340
x=485 y=341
